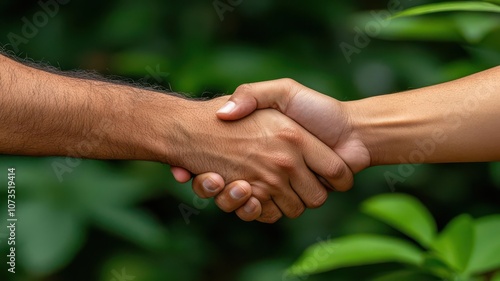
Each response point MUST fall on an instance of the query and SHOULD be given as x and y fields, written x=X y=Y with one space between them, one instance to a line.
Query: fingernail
x=249 y=207
x=209 y=185
x=237 y=193
x=227 y=108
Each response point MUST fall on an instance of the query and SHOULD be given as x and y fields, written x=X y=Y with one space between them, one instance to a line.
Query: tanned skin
x=45 y=113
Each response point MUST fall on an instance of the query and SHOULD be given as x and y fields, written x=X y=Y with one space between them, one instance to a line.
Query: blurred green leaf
x=203 y=54
x=141 y=64
x=449 y=7
x=486 y=253
x=440 y=29
x=404 y=213
x=496 y=277
x=455 y=243
x=495 y=173
x=355 y=250
x=265 y=270
x=474 y=27
x=128 y=22
x=437 y=267
x=405 y=275
x=136 y=226
x=131 y=266
x=111 y=189
x=48 y=238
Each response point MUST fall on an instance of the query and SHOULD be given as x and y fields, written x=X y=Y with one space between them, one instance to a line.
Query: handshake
x=271 y=149
x=279 y=147
x=283 y=157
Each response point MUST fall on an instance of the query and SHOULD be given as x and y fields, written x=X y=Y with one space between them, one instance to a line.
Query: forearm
x=44 y=114
x=458 y=121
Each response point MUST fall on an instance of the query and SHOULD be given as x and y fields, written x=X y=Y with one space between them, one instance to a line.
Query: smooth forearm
x=44 y=114
x=458 y=121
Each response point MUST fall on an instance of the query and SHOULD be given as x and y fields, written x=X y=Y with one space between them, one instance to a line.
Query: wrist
x=388 y=126
x=361 y=129
x=187 y=133
x=158 y=127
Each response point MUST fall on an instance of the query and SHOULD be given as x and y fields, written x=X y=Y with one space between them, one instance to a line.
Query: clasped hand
x=289 y=162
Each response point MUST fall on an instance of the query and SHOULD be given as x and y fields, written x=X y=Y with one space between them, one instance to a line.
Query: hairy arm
x=45 y=114
x=48 y=114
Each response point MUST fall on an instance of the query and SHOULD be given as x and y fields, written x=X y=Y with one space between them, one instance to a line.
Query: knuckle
x=297 y=212
x=288 y=81
x=337 y=170
x=345 y=176
x=271 y=219
x=346 y=185
x=244 y=88
x=284 y=162
x=318 y=200
x=261 y=194
x=290 y=134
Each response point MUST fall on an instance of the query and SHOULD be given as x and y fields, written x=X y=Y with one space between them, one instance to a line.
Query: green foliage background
x=106 y=217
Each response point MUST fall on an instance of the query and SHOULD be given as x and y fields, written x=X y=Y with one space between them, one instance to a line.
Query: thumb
x=249 y=97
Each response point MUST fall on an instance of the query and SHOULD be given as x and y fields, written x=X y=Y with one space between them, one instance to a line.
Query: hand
x=277 y=158
x=324 y=117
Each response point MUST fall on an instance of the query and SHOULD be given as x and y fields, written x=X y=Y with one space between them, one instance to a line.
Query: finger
x=326 y=184
x=290 y=205
x=249 y=97
x=270 y=212
x=250 y=211
x=308 y=187
x=180 y=174
x=208 y=185
x=323 y=161
x=284 y=196
x=234 y=196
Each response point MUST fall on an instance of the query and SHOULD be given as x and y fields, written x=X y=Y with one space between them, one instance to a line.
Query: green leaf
x=449 y=7
x=486 y=252
x=475 y=27
x=112 y=189
x=136 y=226
x=454 y=244
x=437 y=267
x=405 y=275
x=404 y=213
x=355 y=250
x=495 y=173
x=496 y=277
x=48 y=238
x=413 y=28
